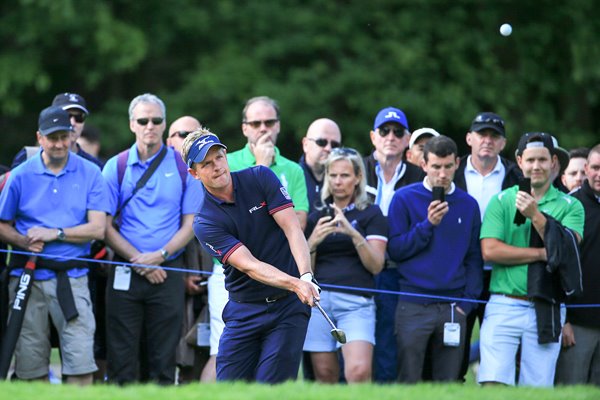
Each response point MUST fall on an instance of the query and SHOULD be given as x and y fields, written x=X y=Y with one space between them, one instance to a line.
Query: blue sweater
x=443 y=260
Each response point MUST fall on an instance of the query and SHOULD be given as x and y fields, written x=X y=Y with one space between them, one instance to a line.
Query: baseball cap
x=70 y=100
x=53 y=119
x=535 y=140
x=419 y=133
x=200 y=148
x=390 y=114
x=488 y=120
x=562 y=155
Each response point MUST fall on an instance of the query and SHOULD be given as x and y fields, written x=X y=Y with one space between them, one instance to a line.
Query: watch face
x=61 y=234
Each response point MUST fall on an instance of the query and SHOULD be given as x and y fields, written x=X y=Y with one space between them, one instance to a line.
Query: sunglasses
x=256 y=124
x=155 y=121
x=323 y=142
x=181 y=134
x=79 y=117
x=488 y=120
x=344 y=151
x=398 y=132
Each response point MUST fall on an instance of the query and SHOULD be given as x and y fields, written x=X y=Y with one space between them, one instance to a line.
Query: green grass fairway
x=290 y=391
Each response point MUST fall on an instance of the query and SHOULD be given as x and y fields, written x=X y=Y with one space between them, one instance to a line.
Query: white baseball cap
x=419 y=133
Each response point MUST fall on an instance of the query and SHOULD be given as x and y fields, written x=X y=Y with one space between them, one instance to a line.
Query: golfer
x=247 y=222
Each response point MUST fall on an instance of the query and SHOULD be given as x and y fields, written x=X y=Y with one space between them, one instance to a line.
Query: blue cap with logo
x=390 y=114
x=200 y=148
x=53 y=119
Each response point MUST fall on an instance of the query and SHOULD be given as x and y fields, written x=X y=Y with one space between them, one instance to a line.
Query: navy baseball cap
x=390 y=114
x=535 y=140
x=70 y=100
x=53 y=119
x=200 y=148
x=488 y=120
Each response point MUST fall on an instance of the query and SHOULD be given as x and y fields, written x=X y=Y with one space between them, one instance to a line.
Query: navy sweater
x=443 y=260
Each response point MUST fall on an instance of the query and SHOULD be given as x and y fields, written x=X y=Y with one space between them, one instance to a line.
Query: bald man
x=179 y=130
x=322 y=136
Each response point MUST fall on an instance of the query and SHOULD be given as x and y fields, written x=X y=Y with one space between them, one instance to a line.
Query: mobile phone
x=439 y=193
x=525 y=185
x=328 y=211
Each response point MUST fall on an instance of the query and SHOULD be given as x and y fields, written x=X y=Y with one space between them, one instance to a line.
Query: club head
x=339 y=335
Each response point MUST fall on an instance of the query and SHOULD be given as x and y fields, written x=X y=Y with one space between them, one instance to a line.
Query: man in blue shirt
x=248 y=223
x=151 y=229
x=435 y=243
x=55 y=204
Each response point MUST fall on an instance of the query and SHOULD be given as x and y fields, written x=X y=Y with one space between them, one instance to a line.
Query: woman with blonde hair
x=347 y=240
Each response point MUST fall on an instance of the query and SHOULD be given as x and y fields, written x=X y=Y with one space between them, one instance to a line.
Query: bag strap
x=143 y=179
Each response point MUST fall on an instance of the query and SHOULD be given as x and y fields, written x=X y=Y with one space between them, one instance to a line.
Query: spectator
x=348 y=249
x=89 y=141
x=579 y=360
x=151 y=227
x=423 y=232
x=180 y=129
x=386 y=172
x=76 y=106
x=261 y=125
x=190 y=359
x=519 y=312
x=57 y=202
x=483 y=174
x=264 y=325
x=417 y=142
x=574 y=174
x=558 y=169
x=322 y=136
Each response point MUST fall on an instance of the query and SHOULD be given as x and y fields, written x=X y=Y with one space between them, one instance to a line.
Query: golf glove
x=308 y=277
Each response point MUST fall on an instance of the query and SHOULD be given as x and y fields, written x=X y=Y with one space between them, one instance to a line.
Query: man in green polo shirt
x=261 y=125
x=510 y=318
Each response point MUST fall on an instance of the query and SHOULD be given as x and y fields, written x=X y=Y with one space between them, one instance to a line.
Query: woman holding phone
x=347 y=240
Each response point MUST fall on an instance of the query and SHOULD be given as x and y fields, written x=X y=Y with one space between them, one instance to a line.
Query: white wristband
x=306 y=277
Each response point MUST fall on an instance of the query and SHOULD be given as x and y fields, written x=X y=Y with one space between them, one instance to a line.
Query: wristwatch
x=164 y=253
x=61 y=234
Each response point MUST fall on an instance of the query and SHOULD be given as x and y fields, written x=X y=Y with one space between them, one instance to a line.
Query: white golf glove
x=308 y=277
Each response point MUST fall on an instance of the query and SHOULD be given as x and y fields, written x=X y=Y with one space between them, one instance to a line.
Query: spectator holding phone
x=347 y=241
x=434 y=239
x=523 y=311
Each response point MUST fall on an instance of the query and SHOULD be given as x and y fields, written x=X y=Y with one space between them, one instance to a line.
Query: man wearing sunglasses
x=149 y=227
x=323 y=135
x=76 y=106
x=386 y=172
x=261 y=126
x=180 y=129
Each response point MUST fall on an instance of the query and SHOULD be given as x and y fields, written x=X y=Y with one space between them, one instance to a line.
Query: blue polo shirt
x=337 y=260
x=35 y=196
x=153 y=215
x=222 y=227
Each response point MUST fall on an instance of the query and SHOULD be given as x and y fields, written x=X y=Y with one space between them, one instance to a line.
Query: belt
x=273 y=299
x=512 y=296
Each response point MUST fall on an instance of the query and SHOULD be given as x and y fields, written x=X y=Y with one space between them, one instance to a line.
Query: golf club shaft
x=325 y=314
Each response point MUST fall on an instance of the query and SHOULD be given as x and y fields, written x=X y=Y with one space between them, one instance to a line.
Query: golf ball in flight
x=505 y=30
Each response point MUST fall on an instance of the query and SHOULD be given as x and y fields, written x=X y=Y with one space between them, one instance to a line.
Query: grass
x=292 y=391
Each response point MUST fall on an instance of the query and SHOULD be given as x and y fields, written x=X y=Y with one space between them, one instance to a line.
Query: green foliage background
x=440 y=61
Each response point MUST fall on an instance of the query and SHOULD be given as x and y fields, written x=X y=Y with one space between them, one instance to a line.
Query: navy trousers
x=385 y=355
x=262 y=341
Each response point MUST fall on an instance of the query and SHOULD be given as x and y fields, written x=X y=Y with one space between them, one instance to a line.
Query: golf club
x=337 y=334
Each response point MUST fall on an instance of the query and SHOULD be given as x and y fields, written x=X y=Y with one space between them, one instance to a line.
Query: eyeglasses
x=181 y=134
x=344 y=151
x=155 y=121
x=398 y=132
x=480 y=119
x=321 y=142
x=256 y=124
x=79 y=117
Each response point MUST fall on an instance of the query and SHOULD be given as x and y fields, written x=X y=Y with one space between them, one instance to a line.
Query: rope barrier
x=323 y=285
